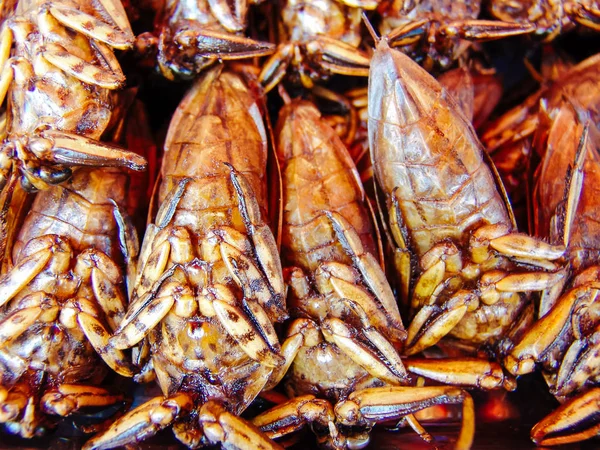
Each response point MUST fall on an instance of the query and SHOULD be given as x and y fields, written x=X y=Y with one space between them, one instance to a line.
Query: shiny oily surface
x=526 y=406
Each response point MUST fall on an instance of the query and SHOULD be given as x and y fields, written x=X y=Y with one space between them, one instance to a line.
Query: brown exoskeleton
x=318 y=38
x=62 y=294
x=209 y=287
x=60 y=77
x=344 y=373
x=565 y=340
x=463 y=268
x=476 y=90
x=194 y=34
x=509 y=139
x=550 y=17
x=438 y=32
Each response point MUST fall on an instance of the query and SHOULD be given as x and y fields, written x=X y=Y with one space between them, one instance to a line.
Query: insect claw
x=555 y=429
x=77 y=150
x=142 y=422
x=484 y=30
x=276 y=66
x=92 y=27
x=468 y=372
x=67 y=399
x=369 y=406
x=220 y=426
x=408 y=33
x=338 y=57
x=295 y=414
x=14 y=324
x=98 y=336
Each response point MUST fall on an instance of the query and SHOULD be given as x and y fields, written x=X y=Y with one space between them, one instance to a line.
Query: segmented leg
x=19 y=411
x=294 y=414
x=468 y=29
x=6 y=71
x=212 y=425
x=215 y=44
x=468 y=372
x=573 y=421
x=364 y=409
x=46 y=248
x=580 y=364
x=222 y=427
x=371 y=273
x=369 y=406
x=338 y=57
x=93 y=27
x=67 y=399
x=442 y=267
x=251 y=263
x=187 y=51
x=276 y=66
x=366 y=346
x=66 y=148
x=548 y=330
x=586 y=14
x=142 y=422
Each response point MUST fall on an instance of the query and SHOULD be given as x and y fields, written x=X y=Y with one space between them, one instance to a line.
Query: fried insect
x=318 y=39
x=210 y=286
x=550 y=17
x=193 y=35
x=463 y=269
x=510 y=138
x=60 y=78
x=344 y=370
x=476 y=90
x=437 y=32
x=564 y=341
x=62 y=298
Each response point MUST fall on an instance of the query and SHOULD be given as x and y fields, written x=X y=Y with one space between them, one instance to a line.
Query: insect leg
x=142 y=422
x=471 y=372
x=484 y=30
x=338 y=57
x=294 y=414
x=276 y=66
x=579 y=413
x=67 y=399
x=92 y=27
x=220 y=426
x=6 y=76
x=369 y=406
x=547 y=330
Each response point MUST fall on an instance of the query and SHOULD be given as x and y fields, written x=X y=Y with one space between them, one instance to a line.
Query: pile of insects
x=298 y=222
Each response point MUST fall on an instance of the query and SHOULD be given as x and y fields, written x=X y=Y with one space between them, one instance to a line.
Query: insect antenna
x=371 y=29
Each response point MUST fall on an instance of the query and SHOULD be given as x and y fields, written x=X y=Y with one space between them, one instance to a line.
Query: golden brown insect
x=476 y=90
x=60 y=78
x=509 y=139
x=61 y=300
x=438 y=32
x=194 y=34
x=210 y=285
x=550 y=17
x=564 y=341
x=344 y=370
x=457 y=252
x=318 y=39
